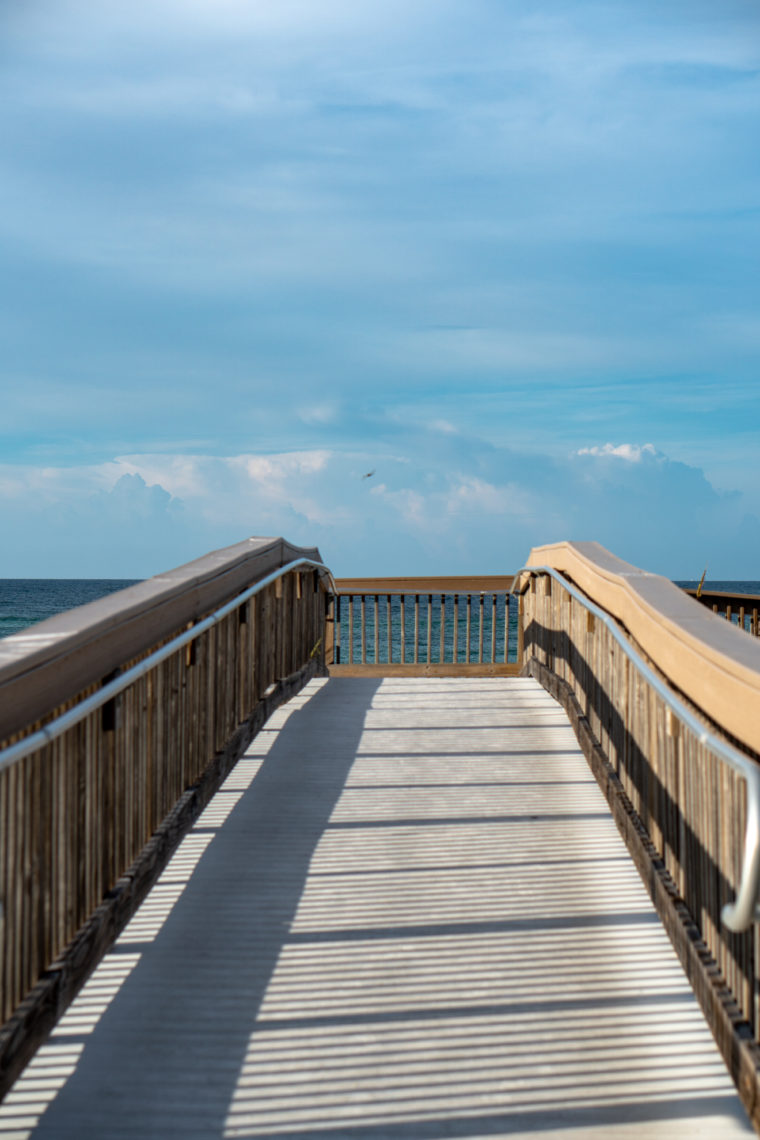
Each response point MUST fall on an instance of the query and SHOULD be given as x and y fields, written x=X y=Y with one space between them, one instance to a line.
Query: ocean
x=25 y=601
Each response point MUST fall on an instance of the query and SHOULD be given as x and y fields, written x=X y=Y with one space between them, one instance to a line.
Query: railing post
x=460 y=606
x=330 y=609
x=520 y=630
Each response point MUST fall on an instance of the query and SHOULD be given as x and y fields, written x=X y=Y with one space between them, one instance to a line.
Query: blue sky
x=504 y=255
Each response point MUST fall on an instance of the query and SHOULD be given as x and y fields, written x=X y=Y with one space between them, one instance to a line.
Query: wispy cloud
x=314 y=229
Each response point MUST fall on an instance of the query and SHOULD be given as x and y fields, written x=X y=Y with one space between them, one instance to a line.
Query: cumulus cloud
x=440 y=502
x=91 y=522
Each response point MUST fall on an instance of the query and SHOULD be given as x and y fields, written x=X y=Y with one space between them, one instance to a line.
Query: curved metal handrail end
x=745 y=909
x=739 y=915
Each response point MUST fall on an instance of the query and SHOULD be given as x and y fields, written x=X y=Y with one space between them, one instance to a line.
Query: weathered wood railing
x=432 y=626
x=740 y=609
x=118 y=721
x=665 y=699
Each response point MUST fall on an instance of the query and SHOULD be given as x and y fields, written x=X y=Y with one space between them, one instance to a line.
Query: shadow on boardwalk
x=407 y=916
x=177 y=1031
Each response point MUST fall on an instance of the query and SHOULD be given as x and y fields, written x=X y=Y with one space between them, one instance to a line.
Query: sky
x=504 y=256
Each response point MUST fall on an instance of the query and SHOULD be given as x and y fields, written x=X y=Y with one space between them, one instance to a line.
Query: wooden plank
x=721 y=597
x=451 y=584
x=439 y=940
x=434 y=669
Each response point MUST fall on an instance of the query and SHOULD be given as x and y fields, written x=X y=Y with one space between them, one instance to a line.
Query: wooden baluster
x=351 y=629
x=429 y=627
x=455 y=655
x=403 y=631
x=388 y=616
x=442 y=631
x=468 y=627
x=416 y=628
x=493 y=629
x=377 y=630
x=364 y=629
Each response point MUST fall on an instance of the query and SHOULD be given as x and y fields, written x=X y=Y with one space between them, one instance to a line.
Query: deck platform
x=407 y=915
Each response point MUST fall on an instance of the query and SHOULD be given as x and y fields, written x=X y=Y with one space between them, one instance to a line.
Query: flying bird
x=369 y=474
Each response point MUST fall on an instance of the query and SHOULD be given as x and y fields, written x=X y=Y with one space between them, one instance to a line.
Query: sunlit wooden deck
x=407 y=914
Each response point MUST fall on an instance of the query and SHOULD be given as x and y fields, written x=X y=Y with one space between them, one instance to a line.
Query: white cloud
x=631 y=452
x=308 y=225
x=442 y=503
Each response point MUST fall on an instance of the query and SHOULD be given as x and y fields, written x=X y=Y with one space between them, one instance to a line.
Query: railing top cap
x=123 y=604
x=49 y=662
x=427 y=584
x=707 y=658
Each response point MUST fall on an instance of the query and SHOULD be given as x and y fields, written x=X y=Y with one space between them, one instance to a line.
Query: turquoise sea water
x=24 y=601
x=455 y=629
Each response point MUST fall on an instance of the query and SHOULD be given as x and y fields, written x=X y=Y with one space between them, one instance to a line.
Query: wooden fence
x=681 y=786
x=90 y=816
x=742 y=610
x=429 y=626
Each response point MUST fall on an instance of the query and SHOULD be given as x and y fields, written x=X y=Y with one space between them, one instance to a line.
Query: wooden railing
x=429 y=626
x=118 y=721
x=665 y=699
x=742 y=610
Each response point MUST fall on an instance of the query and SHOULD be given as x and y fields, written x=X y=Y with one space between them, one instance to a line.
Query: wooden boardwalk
x=407 y=914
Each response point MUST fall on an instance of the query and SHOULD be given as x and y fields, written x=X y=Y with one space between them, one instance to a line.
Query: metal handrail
x=62 y=723
x=740 y=914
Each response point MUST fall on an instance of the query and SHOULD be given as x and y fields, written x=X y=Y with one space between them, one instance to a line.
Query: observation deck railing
x=425 y=626
x=742 y=610
x=118 y=721
x=665 y=700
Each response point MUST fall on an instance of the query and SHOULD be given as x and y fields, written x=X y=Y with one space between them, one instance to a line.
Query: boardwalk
x=407 y=914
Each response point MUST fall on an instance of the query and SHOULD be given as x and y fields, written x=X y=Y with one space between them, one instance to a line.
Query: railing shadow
x=182 y=1019
x=704 y=895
